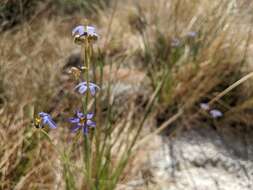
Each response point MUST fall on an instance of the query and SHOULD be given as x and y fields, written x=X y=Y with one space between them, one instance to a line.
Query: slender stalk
x=69 y=178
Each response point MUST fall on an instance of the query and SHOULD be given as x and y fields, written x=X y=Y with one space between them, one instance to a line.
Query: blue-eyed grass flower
x=44 y=119
x=82 y=121
x=84 y=86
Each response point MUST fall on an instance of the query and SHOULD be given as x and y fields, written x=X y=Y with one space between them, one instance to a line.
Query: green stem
x=69 y=178
x=87 y=143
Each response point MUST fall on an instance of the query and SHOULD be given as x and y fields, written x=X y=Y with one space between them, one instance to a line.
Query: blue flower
x=80 y=30
x=191 y=34
x=204 y=106
x=44 y=119
x=216 y=113
x=82 y=121
x=175 y=42
x=83 y=86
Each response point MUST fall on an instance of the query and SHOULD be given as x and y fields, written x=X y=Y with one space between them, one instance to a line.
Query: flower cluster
x=85 y=36
x=214 y=113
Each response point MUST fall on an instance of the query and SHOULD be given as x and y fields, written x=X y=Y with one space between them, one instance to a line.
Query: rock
x=201 y=159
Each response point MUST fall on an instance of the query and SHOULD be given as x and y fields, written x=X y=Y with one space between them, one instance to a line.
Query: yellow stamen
x=82 y=121
x=37 y=121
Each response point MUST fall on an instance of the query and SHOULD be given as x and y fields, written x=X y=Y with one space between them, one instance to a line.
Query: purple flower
x=175 y=42
x=84 y=31
x=216 y=113
x=44 y=119
x=79 y=30
x=191 y=34
x=83 y=86
x=213 y=112
x=82 y=121
x=204 y=106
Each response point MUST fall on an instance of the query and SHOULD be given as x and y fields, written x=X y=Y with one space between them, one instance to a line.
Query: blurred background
x=178 y=54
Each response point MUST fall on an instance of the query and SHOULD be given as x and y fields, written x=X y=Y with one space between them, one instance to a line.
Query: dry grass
x=31 y=62
x=202 y=67
x=133 y=35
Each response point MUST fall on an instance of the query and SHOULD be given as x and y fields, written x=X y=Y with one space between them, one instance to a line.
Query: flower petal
x=79 y=30
x=204 y=106
x=94 y=35
x=175 y=42
x=75 y=128
x=82 y=89
x=90 y=29
x=90 y=123
x=43 y=114
x=216 y=113
x=45 y=120
x=192 y=34
x=51 y=124
x=79 y=114
x=74 y=120
x=94 y=85
x=92 y=90
x=80 y=84
x=89 y=115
